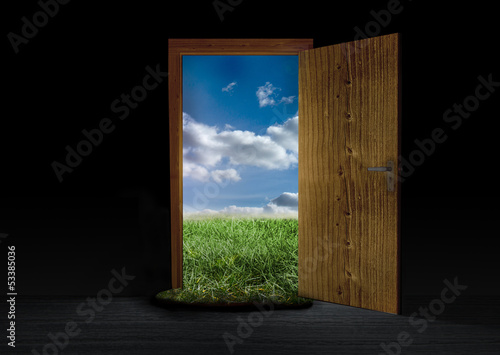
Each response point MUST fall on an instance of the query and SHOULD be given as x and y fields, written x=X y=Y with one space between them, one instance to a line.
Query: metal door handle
x=390 y=173
x=380 y=168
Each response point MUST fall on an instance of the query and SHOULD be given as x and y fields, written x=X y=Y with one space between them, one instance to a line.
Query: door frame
x=176 y=49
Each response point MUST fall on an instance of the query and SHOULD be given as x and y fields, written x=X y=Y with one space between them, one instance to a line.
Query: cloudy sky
x=240 y=143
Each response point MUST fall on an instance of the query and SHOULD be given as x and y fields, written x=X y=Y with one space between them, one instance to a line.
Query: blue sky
x=240 y=130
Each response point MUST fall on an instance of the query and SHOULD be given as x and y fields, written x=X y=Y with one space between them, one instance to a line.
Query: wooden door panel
x=349 y=120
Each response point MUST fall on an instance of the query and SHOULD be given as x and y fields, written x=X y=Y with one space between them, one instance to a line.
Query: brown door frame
x=176 y=49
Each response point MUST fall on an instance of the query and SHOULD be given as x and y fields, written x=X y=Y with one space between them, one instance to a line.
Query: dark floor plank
x=135 y=326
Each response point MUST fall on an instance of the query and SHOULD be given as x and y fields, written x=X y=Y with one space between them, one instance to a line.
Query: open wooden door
x=349 y=142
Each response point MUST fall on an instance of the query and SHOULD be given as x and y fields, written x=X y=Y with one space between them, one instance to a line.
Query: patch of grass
x=233 y=260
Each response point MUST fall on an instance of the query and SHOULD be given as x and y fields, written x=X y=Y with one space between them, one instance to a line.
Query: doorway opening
x=240 y=178
x=234 y=50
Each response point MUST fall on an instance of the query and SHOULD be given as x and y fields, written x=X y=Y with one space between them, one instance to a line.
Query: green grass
x=232 y=260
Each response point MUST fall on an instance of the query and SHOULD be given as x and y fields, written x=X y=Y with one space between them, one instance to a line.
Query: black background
x=112 y=210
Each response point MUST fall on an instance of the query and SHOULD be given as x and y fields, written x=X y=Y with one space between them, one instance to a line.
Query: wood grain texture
x=348 y=221
x=177 y=48
x=240 y=46
x=175 y=147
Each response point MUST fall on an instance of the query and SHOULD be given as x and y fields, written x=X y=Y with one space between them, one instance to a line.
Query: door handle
x=389 y=170
x=380 y=168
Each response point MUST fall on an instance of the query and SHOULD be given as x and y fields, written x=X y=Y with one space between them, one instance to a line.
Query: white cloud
x=287 y=134
x=241 y=210
x=247 y=148
x=220 y=176
x=195 y=171
x=286 y=199
x=198 y=141
x=230 y=87
x=287 y=100
x=205 y=147
x=283 y=206
x=235 y=211
x=279 y=211
x=265 y=94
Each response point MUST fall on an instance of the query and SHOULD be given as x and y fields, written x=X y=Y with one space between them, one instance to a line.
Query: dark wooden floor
x=135 y=326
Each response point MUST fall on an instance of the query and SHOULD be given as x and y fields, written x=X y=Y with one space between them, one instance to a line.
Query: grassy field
x=229 y=260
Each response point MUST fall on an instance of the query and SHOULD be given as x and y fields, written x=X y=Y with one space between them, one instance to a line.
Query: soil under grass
x=230 y=261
